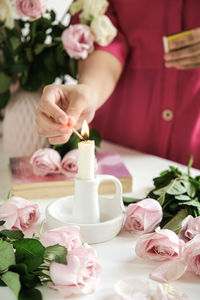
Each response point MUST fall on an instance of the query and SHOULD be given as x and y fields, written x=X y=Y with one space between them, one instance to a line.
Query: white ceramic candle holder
x=100 y=217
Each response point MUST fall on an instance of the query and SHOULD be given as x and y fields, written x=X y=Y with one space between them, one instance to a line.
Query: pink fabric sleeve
x=119 y=46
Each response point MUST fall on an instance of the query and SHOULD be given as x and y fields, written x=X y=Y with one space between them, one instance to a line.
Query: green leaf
x=20 y=66
x=29 y=54
x=15 y=42
x=29 y=280
x=129 y=200
x=73 y=67
x=162 y=190
x=39 y=48
x=95 y=135
x=2 y=222
x=176 y=188
x=183 y=197
x=161 y=198
x=19 y=268
x=5 y=82
x=30 y=294
x=42 y=228
x=191 y=203
x=4 y=98
x=175 y=224
x=164 y=179
x=190 y=163
x=12 y=234
x=8 y=195
x=90 y=18
x=7 y=256
x=11 y=279
x=30 y=252
x=53 y=15
x=2 y=283
x=56 y=253
x=190 y=188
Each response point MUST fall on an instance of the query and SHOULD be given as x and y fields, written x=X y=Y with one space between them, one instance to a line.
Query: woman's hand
x=186 y=52
x=62 y=106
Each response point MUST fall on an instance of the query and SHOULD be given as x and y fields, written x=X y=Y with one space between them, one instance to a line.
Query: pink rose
x=78 y=41
x=69 y=237
x=80 y=275
x=190 y=228
x=143 y=216
x=45 y=161
x=163 y=244
x=18 y=213
x=31 y=8
x=191 y=254
x=69 y=163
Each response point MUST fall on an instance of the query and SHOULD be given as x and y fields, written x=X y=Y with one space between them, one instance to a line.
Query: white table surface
x=117 y=256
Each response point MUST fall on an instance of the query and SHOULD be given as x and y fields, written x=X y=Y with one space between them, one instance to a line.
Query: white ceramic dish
x=59 y=213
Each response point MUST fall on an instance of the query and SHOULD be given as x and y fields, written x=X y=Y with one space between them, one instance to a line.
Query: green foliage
x=57 y=253
x=35 y=58
x=175 y=223
x=12 y=280
x=74 y=140
x=4 y=98
x=7 y=256
x=30 y=294
x=11 y=234
x=24 y=263
x=129 y=200
x=179 y=195
x=5 y=82
x=30 y=252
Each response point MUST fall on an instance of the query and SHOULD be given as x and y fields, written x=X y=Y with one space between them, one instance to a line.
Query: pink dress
x=153 y=109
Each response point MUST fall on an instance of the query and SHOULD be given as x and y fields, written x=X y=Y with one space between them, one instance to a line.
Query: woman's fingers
x=184 y=62
x=61 y=139
x=185 y=41
x=47 y=127
x=186 y=52
x=51 y=97
x=191 y=51
x=62 y=107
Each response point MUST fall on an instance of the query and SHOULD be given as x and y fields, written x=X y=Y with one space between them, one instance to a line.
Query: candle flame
x=85 y=129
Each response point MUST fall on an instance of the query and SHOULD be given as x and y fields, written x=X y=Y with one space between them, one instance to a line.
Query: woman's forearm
x=101 y=71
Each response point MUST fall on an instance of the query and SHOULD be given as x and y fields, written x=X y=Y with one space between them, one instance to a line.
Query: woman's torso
x=154 y=109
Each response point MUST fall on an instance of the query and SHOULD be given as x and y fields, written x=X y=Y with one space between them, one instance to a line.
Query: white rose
x=7 y=13
x=103 y=30
x=76 y=6
x=93 y=8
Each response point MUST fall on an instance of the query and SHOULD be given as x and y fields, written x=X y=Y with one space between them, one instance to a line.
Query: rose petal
x=168 y=271
x=133 y=289
x=68 y=237
x=167 y=292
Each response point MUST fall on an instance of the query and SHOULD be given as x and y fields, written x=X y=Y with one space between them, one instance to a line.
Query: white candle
x=86 y=160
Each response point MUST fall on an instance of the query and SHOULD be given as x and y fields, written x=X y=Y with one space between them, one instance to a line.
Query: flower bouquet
x=36 y=48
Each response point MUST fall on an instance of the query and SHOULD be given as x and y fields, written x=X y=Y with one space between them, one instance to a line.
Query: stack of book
x=28 y=185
